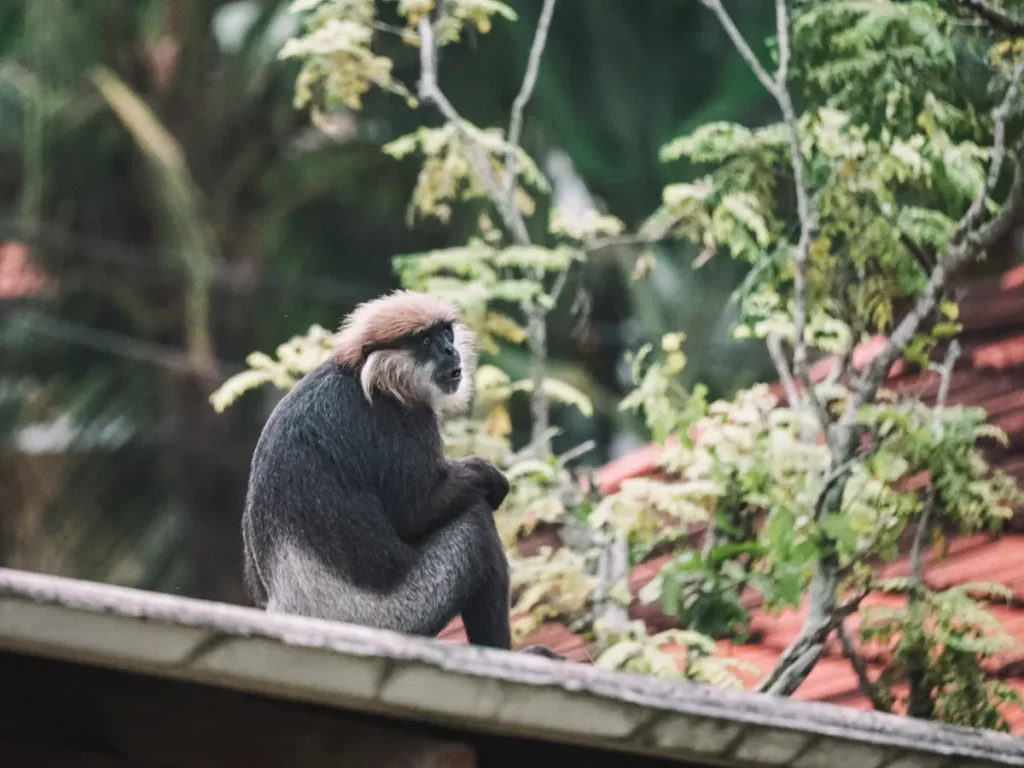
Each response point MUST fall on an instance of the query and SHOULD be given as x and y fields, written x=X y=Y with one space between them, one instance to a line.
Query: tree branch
x=806 y=648
x=868 y=688
x=965 y=246
x=1000 y=115
x=715 y=6
x=515 y=126
x=997 y=17
x=954 y=259
x=798 y=659
x=920 y=702
x=774 y=344
x=917 y=547
x=804 y=212
x=536 y=315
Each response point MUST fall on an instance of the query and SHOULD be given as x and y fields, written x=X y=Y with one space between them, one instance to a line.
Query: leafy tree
x=854 y=212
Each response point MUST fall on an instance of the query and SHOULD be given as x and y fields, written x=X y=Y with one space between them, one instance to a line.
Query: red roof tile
x=19 y=276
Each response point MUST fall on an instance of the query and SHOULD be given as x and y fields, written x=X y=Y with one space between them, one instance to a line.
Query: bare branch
x=537 y=340
x=430 y=92
x=613 y=571
x=868 y=688
x=741 y=45
x=515 y=127
x=924 y=523
x=997 y=17
x=804 y=212
x=1000 y=115
x=774 y=344
x=574 y=453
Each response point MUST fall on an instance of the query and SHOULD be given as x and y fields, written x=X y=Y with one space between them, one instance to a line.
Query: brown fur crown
x=387 y=319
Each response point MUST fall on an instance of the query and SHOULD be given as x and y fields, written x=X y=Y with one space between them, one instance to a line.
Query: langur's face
x=437 y=354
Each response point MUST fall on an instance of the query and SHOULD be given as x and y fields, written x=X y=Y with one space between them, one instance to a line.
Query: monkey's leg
x=437 y=579
x=486 y=612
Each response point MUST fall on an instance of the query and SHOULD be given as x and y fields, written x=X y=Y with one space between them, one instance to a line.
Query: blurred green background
x=113 y=465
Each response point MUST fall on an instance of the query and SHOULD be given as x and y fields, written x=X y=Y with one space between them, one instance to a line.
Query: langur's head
x=411 y=346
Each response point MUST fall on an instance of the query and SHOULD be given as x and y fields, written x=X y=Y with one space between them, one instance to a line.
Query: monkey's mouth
x=449 y=379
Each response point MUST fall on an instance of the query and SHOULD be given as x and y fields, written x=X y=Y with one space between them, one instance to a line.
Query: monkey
x=353 y=513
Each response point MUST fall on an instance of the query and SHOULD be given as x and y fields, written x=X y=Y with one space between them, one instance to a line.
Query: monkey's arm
x=461 y=482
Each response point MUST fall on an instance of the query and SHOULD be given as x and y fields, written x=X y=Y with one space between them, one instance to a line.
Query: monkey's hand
x=487 y=478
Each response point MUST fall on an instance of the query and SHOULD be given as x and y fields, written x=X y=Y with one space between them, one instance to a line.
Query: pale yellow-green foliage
x=449 y=174
x=295 y=358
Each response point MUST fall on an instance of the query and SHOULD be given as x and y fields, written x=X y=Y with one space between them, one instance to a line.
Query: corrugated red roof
x=19 y=276
x=990 y=374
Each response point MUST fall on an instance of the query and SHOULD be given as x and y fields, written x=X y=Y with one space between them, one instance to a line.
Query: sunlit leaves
x=674 y=653
x=295 y=358
x=585 y=227
x=337 y=60
x=339 y=64
x=450 y=172
x=875 y=58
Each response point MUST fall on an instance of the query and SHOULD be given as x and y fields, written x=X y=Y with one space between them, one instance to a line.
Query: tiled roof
x=19 y=276
x=990 y=373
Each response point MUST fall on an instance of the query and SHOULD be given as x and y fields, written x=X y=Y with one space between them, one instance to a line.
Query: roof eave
x=471 y=688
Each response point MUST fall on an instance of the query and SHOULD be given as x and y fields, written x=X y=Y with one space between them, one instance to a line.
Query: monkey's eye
x=426 y=341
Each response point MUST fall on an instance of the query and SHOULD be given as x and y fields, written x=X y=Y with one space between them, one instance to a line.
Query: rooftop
x=354 y=669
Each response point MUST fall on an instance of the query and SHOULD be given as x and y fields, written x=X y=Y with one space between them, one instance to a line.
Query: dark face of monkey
x=436 y=353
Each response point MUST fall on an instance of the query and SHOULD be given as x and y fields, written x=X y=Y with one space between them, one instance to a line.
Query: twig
x=782 y=368
x=868 y=688
x=536 y=315
x=574 y=453
x=741 y=45
x=1000 y=115
x=515 y=127
x=997 y=17
x=613 y=569
x=391 y=29
x=806 y=215
x=917 y=547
